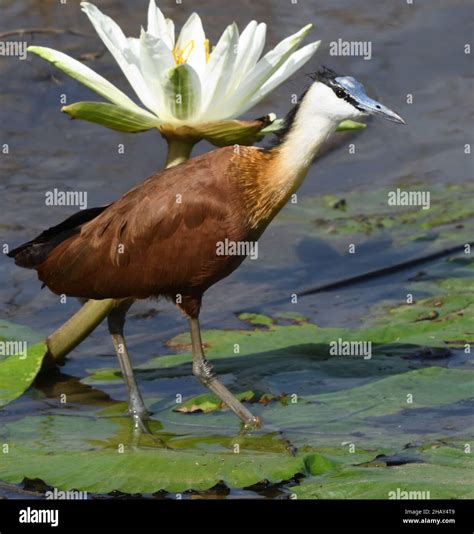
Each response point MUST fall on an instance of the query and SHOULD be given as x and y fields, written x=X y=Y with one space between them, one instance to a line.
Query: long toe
x=252 y=423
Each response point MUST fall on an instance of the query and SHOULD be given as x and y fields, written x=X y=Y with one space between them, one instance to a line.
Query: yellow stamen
x=206 y=48
x=181 y=56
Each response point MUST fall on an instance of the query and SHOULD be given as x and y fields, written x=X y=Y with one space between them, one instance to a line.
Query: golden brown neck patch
x=261 y=191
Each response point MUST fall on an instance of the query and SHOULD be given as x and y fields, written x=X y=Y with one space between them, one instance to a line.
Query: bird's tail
x=31 y=254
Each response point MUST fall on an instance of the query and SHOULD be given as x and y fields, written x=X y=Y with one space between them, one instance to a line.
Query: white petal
x=191 y=41
x=251 y=43
x=157 y=24
x=219 y=71
x=292 y=64
x=134 y=48
x=124 y=52
x=170 y=25
x=265 y=68
x=88 y=77
x=155 y=62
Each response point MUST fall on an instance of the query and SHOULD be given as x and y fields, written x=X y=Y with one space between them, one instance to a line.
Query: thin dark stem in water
x=55 y=31
x=384 y=271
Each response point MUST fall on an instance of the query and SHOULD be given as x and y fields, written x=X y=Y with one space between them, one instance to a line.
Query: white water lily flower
x=182 y=82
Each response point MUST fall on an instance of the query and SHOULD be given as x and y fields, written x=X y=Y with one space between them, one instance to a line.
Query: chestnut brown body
x=161 y=237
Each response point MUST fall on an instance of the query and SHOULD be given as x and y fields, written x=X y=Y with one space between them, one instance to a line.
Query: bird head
x=343 y=97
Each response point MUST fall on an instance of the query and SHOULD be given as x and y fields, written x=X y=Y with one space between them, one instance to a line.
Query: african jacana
x=160 y=238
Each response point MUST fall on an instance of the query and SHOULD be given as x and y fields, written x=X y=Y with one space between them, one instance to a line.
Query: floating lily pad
x=103 y=376
x=439 y=472
x=458 y=454
x=387 y=326
x=359 y=415
x=347 y=417
x=20 y=360
x=382 y=416
x=369 y=212
x=12 y=331
x=424 y=481
x=76 y=452
x=208 y=402
x=84 y=453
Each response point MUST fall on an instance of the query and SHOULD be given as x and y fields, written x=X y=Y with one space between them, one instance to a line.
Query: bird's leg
x=203 y=370
x=116 y=321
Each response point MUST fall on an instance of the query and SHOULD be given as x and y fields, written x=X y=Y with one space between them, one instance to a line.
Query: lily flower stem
x=93 y=312
x=178 y=151
x=76 y=329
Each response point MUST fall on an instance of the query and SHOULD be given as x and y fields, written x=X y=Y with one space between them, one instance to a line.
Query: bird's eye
x=340 y=93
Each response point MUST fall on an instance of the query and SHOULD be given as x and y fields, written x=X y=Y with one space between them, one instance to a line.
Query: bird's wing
x=159 y=236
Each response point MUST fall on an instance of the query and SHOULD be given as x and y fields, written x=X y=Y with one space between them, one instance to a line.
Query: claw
x=252 y=424
x=140 y=425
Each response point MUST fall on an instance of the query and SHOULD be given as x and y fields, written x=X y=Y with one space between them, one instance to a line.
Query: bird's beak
x=368 y=105
x=365 y=103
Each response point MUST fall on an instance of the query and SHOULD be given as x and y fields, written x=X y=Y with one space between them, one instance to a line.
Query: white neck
x=310 y=129
x=303 y=143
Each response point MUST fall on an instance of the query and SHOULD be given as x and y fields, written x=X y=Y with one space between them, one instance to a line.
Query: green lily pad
x=454 y=455
x=101 y=456
x=304 y=340
x=103 y=376
x=332 y=459
x=257 y=319
x=357 y=415
x=207 y=402
x=382 y=416
x=364 y=215
x=346 y=417
x=20 y=360
x=317 y=463
x=438 y=471
x=426 y=481
x=12 y=331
